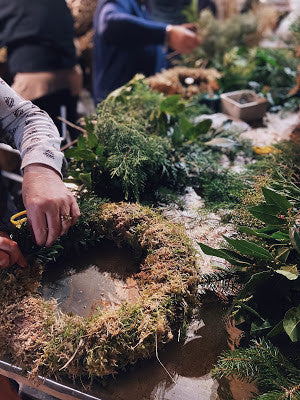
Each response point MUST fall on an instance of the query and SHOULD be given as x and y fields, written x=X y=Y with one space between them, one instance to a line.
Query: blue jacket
x=126 y=42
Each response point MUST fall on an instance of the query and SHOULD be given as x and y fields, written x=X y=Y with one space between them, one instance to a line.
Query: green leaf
x=92 y=139
x=295 y=238
x=282 y=254
x=268 y=229
x=273 y=197
x=186 y=127
x=172 y=105
x=291 y=323
x=177 y=137
x=277 y=330
x=221 y=142
x=234 y=259
x=289 y=271
x=249 y=248
x=259 y=328
x=253 y=282
x=86 y=155
x=99 y=150
x=71 y=153
x=281 y=236
x=82 y=142
x=266 y=213
x=203 y=127
x=270 y=209
x=86 y=179
x=252 y=232
x=249 y=309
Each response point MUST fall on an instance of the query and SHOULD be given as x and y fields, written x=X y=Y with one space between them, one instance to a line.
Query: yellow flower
x=265 y=150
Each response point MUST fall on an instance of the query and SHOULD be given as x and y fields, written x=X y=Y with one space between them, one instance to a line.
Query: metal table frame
x=45 y=385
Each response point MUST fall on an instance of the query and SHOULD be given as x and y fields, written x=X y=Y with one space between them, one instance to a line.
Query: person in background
x=127 y=42
x=41 y=55
x=51 y=208
x=171 y=11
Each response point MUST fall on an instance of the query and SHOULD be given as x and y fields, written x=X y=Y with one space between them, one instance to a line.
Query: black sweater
x=38 y=35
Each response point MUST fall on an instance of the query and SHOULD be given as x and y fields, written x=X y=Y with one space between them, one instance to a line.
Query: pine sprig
x=263 y=363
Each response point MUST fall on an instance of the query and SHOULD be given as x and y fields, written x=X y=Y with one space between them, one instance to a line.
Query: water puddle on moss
x=100 y=277
x=104 y=277
x=188 y=362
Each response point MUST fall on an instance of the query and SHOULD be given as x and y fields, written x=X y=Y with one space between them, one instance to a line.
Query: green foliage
x=219 y=188
x=291 y=323
x=275 y=377
x=79 y=236
x=271 y=72
x=269 y=265
x=295 y=31
x=120 y=154
x=138 y=143
x=220 y=36
x=238 y=67
x=192 y=11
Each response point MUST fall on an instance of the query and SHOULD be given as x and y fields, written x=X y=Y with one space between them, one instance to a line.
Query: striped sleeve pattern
x=29 y=129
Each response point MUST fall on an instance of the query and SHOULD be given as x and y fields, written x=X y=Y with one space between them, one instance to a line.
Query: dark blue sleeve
x=117 y=26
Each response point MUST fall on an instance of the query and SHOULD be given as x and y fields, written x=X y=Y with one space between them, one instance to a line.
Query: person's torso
x=37 y=33
x=169 y=11
x=115 y=65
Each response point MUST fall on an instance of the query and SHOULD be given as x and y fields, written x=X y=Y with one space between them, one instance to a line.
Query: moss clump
x=42 y=340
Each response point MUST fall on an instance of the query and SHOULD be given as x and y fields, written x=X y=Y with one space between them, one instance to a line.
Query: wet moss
x=43 y=340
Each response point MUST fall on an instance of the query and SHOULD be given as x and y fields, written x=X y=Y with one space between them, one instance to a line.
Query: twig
x=73 y=356
x=66 y=146
x=71 y=124
x=156 y=353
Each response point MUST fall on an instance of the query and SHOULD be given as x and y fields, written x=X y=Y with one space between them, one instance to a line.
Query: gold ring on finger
x=66 y=217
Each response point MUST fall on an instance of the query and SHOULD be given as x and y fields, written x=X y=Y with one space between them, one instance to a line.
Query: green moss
x=50 y=342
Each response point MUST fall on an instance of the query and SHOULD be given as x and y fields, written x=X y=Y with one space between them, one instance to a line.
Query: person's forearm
x=31 y=130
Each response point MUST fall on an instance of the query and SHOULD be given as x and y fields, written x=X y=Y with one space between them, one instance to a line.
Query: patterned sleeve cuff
x=46 y=157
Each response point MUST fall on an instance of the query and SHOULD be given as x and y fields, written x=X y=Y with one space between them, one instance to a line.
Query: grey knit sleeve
x=29 y=129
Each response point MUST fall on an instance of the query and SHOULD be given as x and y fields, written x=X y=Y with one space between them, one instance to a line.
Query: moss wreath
x=43 y=340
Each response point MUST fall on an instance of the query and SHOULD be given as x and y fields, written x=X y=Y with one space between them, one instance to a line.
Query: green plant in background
x=275 y=376
x=220 y=188
x=219 y=36
x=271 y=72
x=119 y=156
x=295 y=31
x=238 y=66
x=268 y=266
x=140 y=142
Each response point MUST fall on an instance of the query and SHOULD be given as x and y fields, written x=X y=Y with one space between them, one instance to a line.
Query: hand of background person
x=181 y=39
x=10 y=253
x=51 y=207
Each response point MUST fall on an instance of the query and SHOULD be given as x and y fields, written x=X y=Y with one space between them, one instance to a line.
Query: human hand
x=51 y=207
x=181 y=39
x=10 y=253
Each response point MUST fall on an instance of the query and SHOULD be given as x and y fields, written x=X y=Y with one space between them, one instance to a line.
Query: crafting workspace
x=149 y=199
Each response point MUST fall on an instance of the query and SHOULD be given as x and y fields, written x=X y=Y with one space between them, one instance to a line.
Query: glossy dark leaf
x=291 y=323
x=234 y=259
x=249 y=248
x=266 y=214
x=279 y=200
